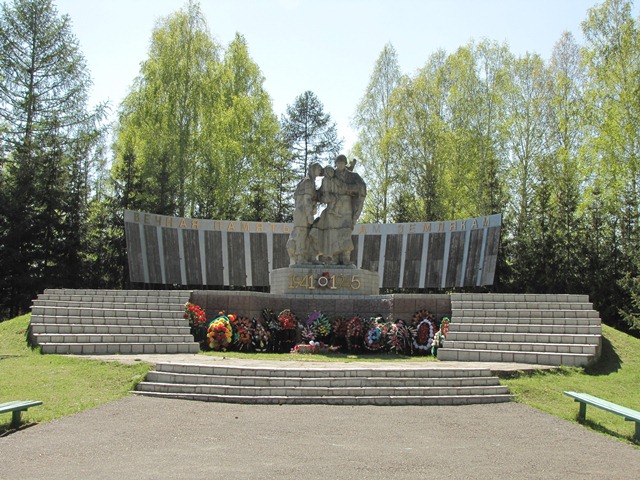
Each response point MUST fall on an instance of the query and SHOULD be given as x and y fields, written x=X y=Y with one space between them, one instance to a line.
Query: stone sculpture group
x=327 y=238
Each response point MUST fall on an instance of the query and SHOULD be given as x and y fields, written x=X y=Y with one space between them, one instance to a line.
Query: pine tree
x=49 y=134
x=309 y=133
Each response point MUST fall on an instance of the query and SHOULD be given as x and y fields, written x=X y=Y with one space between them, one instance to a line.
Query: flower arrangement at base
x=270 y=320
x=287 y=320
x=425 y=330
x=308 y=334
x=400 y=338
x=440 y=336
x=375 y=338
x=220 y=332
x=286 y=337
x=355 y=333
x=194 y=314
x=338 y=333
x=322 y=326
x=260 y=336
x=242 y=327
x=313 y=347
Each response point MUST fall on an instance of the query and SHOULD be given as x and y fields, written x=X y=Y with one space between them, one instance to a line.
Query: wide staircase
x=88 y=322
x=534 y=329
x=329 y=386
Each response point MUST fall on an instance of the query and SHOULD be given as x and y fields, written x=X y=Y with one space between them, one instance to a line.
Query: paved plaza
x=147 y=438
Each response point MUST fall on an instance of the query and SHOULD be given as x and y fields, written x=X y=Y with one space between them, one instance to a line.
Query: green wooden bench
x=584 y=399
x=16 y=408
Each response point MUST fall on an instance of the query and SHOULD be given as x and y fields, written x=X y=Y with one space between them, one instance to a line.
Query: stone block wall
x=251 y=304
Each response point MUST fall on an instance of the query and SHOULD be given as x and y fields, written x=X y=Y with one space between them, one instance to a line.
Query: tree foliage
x=197 y=135
x=552 y=144
x=48 y=139
x=309 y=133
x=374 y=122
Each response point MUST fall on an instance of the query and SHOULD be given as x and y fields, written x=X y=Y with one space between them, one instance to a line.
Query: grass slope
x=616 y=378
x=65 y=384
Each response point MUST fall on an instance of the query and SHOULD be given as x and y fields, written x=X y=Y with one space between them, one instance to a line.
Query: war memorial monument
x=323 y=283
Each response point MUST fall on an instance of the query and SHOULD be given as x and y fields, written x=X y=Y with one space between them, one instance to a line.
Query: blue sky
x=327 y=46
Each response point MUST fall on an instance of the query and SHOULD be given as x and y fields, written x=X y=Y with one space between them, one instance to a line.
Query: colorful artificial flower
x=375 y=339
x=260 y=336
x=355 y=332
x=220 y=332
x=194 y=314
x=242 y=327
x=287 y=320
x=322 y=326
x=425 y=330
x=400 y=338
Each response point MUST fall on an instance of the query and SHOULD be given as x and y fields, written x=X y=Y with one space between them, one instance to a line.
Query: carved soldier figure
x=306 y=199
x=330 y=235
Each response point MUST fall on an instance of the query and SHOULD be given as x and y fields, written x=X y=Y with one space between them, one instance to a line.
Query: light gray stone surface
x=327 y=239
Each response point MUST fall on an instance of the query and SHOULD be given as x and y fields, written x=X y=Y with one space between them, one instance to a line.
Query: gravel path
x=146 y=438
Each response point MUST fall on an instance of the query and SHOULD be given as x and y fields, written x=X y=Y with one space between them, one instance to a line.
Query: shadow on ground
x=609 y=361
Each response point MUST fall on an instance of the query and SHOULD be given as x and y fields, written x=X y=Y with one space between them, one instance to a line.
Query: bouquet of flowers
x=425 y=330
x=308 y=334
x=355 y=332
x=322 y=326
x=339 y=331
x=260 y=336
x=313 y=347
x=242 y=327
x=270 y=320
x=440 y=335
x=220 y=332
x=194 y=314
x=287 y=320
x=400 y=338
x=375 y=339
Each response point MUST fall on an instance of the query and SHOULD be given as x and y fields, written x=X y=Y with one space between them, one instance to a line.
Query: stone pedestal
x=324 y=280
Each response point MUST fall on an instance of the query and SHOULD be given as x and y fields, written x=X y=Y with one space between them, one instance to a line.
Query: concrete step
x=556 y=359
x=328 y=391
x=306 y=382
x=488 y=305
x=519 y=297
x=328 y=400
x=329 y=372
x=118 y=348
x=176 y=321
x=126 y=296
x=42 y=338
x=458 y=319
x=76 y=328
x=523 y=347
x=332 y=385
x=85 y=312
x=552 y=328
x=118 y=304
x=523 y=337
x=514 y=313
x=116 y=293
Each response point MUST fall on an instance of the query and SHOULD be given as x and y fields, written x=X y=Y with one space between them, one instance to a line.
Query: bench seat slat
x=628 y=413
x=18 y=405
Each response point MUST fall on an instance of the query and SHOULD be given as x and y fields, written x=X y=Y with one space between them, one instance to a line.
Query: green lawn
x=65 y=384
x=616 y=377
x=68 y=384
